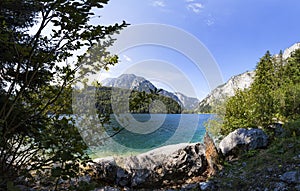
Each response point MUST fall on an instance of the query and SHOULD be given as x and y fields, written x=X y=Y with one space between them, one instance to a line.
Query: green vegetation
x=139 y=102
x=37 y=144
x=269 y=164
x=273 y=96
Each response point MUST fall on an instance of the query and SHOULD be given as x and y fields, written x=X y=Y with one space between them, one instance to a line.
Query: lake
x=144 y=132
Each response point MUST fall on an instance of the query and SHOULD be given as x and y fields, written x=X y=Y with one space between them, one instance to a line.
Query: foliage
x=292 y=129
x=238 y=112
x=138 y=102
x=280 y=157
x=273 y=96
x=287 y=101
x=205 y=109
x=261 y=91
x=215 y=124
x=36 y=79
x=155 y=91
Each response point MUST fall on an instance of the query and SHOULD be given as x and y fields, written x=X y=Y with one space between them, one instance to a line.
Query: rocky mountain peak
x=138 y=83
x=287 y=52
x=129 y=81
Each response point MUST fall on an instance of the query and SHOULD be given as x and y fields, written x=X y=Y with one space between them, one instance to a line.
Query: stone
x=187 y=162
x=279 y=186
x=189 y=187
x=164 y=166
x=141 y=177
x=85 y=178
x=123 y=177
x=206 y=185
x=212 y=155
x=243 y=140
x=104 y=169
x=291 y=177
x=107 y=188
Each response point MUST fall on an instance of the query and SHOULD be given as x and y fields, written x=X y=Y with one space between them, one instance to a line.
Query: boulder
x=243 y=140
x=163 y=166
x=185 y=163
x=123 y=178
x=146 y=169
x=104 y=169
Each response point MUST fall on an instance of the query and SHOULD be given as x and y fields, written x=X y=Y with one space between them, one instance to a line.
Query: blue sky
x=237 y=33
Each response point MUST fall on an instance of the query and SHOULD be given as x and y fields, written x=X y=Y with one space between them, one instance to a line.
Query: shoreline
x=159 y=151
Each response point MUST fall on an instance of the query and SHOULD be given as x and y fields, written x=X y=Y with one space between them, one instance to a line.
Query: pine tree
x=288 y=95
x=261 y=89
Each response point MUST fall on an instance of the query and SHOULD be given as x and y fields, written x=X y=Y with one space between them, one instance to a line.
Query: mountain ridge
x=138 y=83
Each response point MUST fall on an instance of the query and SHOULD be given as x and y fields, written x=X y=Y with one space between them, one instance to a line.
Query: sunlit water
x=158 y=131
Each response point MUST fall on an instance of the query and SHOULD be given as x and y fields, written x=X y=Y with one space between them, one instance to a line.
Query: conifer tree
x=261 y=89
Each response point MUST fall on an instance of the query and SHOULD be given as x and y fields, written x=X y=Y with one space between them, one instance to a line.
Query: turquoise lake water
x=148 y=132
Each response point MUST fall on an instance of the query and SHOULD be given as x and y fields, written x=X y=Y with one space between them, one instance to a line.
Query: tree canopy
x=273 y=96
x=37 y=40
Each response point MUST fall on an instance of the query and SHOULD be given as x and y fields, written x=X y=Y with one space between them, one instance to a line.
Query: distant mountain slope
x=227 y=89
x=133 y=82
x=189 y=103
x=240 y=81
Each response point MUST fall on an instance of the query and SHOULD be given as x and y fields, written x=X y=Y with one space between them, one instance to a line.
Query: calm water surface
x=152 y=132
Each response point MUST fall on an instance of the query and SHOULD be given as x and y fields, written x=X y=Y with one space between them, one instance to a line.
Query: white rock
x=247 y=139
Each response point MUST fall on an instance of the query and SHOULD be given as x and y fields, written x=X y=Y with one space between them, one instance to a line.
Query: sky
x=235 y=34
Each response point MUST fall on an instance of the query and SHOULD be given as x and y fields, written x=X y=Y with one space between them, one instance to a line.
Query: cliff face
x=287 y=52
x=240 y=81
x=228 y=89
x=189 y=103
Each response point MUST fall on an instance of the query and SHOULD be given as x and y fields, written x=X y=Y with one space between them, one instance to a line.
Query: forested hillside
x=138 y=102
x=274 y=96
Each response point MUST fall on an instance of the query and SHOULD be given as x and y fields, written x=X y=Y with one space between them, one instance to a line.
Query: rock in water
x=212 y=155
x=243 y=140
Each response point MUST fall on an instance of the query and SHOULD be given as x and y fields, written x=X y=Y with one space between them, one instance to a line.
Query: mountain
x=227 y=89
x=287 y=52
x=133 y=82
x=240 y=81
x=189 y=103
x=137 y=83
x=129 y=81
